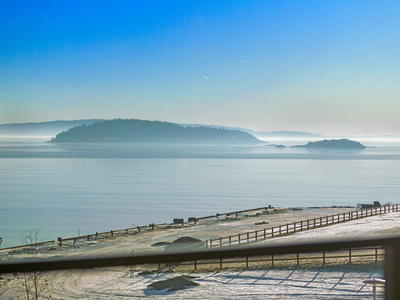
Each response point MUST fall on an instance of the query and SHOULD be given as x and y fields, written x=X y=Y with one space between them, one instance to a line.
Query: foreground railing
x=391 y=246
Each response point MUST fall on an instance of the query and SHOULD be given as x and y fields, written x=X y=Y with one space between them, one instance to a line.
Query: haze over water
x=99 y=187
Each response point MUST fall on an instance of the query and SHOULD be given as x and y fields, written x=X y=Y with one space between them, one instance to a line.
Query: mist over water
x=99 y=187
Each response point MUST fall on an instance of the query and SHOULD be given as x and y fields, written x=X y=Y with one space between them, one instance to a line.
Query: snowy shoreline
x=338 y=282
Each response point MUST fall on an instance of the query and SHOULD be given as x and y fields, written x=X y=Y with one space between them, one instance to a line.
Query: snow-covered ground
x=243 y=284
x=339 y=282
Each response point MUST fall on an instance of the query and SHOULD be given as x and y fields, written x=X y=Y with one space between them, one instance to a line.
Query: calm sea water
x=98 y=187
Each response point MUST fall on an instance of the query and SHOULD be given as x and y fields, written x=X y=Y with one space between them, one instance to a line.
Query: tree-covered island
x=334 y=144
x=142 y=131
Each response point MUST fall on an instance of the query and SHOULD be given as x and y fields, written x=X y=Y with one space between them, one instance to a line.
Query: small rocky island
x=143 y=131
x=334 y=144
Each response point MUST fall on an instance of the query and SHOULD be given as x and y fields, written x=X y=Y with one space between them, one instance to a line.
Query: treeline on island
x=142 y=131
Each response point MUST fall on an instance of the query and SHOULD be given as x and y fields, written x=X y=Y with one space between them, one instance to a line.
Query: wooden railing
x=289 y=228
x=351 y=255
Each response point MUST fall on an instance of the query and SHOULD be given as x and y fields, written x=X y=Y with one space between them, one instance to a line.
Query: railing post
x=323 y=257
x=320 y=221
x=220 y=242
x=112 y=233
x=349 y=255
x=195 y=265
x=255 y=235
x=248 y=237
x=308 y=223
x=376 y=255
x=392 y=267
x=280 y=230
x=314 y=222
x=272 y=260
x=247 y=261
x=294 y=226
x=220 y=263
x=60 y=241
x=230 y=240
x=298 y=260
x=301 y=225
x=272 y=231
x=264 y=233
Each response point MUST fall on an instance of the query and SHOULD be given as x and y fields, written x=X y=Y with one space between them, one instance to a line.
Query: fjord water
x=88 y=188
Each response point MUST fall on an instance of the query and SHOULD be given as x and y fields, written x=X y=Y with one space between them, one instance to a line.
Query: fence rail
x=289 y=228
x=351 y=255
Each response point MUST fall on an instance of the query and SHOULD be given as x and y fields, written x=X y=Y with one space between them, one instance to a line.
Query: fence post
x=392 y=267
x=247 y=261
x=314 y=222
x=272 y=260
x=112 y=233
x=323 y=257
x=298 y=260
x=255 y=234
x=320 y=221
x=88 y=236
x=280 y=230
x=220 y=242
x=195 y=265
x=294 y=226
x=376 y=255
x=349 y=255
x=264 y=234
x=272 y=231
x=248 y=238
x=230 y=240
x=96 y=235
x=220 y=263
x=301 y=225
x=287 y=228
x=60 y=241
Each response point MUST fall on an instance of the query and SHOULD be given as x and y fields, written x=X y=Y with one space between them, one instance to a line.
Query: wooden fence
x=349 y=256
x=289 y=228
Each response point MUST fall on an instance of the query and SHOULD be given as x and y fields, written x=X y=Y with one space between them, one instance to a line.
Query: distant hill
x=141 y=131
x=43 y=128
x=264 y=134
x=334 y=144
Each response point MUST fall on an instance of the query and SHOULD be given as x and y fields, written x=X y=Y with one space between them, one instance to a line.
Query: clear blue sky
x=331 y=67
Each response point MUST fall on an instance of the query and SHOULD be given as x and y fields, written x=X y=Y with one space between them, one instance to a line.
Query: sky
x=330 y=67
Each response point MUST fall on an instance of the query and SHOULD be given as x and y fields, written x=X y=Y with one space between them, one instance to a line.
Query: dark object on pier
x=261 y=223
x=192 y=219
x=376 y=204
x=178 y=221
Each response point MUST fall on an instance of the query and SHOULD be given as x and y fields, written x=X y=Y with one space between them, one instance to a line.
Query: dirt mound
x=187 y=240
x=173 y=284
x=184 y=243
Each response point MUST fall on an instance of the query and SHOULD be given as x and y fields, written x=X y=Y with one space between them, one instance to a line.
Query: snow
x=339 y=282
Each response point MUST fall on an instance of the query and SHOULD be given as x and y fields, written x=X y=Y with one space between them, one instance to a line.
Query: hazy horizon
x=327 y=67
